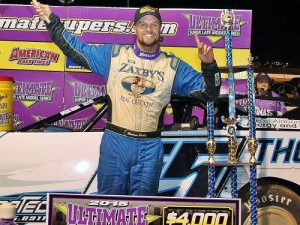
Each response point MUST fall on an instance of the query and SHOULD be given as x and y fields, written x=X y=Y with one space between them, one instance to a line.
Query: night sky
x=275 y=35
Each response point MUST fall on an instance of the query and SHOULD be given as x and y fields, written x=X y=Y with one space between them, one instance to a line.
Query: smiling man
x=147 y=23
x=140 y=81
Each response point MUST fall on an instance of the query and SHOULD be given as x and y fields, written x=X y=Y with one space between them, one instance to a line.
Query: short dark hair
x=262 y=76
x=146 y=10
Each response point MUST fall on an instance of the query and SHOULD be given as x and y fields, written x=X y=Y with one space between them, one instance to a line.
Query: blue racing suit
x=139 y=87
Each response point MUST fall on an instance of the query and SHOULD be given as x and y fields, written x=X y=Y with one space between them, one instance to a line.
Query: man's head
x=147 y=22
x=262 y=83
x=146 y=10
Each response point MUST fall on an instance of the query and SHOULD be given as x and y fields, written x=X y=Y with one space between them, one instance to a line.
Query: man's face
x=147 y=30
x=263 y=86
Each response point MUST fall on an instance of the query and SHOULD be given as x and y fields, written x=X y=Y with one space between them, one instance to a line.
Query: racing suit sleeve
x=204 y=86
x=92 y=57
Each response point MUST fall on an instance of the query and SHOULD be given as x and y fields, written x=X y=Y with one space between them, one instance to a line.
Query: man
x=265 y=107
x=140 y=81
x=262 y=83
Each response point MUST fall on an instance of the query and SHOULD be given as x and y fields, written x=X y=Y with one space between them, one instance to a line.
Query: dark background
x=275 y=35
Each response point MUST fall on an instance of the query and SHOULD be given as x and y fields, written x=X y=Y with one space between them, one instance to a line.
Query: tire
x=276 y=205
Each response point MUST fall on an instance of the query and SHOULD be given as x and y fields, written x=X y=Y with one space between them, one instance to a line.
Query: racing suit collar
x=145 y=55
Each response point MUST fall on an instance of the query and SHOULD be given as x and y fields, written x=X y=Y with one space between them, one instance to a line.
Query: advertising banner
x=74 y=209
x=29 y=55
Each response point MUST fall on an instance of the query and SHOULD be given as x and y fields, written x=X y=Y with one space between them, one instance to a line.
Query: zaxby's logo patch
x=31 y=56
